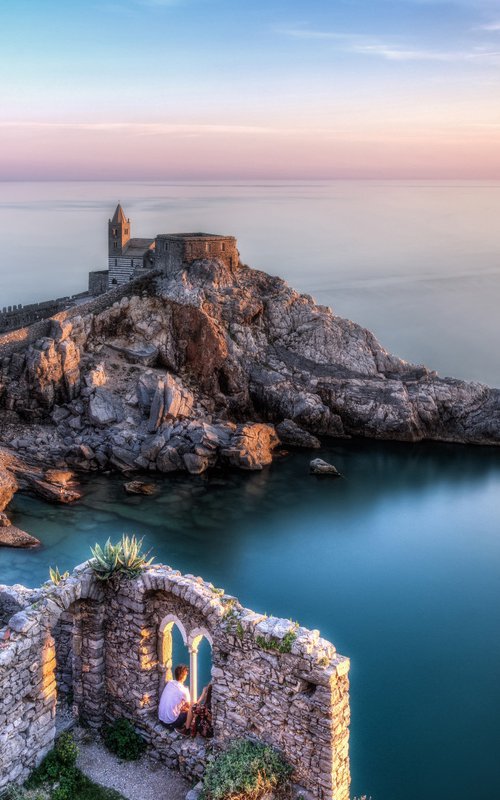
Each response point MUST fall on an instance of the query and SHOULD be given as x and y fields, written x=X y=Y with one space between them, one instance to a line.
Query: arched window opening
x=172 y=646
x=200 y=658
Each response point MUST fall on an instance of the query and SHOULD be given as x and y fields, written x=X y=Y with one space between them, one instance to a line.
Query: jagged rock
x=145 y=353
x=10 y=536
x=4 y=520
x=169 y=460
x=96 y=377
x=196 y=464
x=251 y=446
x=59 y=414
x=104 y=408
x=63 y=477
x=291 y=434
x=138 y=487
x=171 y=400
x=8 y=488
x=54 y=493
x=319 y=467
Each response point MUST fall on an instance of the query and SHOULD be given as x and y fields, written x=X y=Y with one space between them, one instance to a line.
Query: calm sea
x=399 y=563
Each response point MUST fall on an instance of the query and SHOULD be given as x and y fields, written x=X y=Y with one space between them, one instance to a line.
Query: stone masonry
x=108 y=651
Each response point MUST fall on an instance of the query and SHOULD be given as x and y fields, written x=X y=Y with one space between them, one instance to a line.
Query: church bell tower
x=118 y=233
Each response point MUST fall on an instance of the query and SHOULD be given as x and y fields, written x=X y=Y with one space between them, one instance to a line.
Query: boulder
x=171 y=401
x=104 y=408
x=319 y=467
x=10 y=536
x=62 y=477
x=96 y=377
x=291 y=434
x=251 y=446
x=138 y=487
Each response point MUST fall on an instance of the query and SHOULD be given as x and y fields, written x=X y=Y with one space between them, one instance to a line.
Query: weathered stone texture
x=109 y=650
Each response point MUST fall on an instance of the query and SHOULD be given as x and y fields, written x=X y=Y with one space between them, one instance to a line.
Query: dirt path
x=135 y=780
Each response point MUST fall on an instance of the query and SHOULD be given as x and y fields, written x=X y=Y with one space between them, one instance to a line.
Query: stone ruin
x=107 y=652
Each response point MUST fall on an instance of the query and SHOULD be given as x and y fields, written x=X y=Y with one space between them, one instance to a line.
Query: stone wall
x=109 y=650
x=174 y=251
x=18 y=316
x=20 y=339
x=98 y=282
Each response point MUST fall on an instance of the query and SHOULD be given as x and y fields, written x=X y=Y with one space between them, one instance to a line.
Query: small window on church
x=115 y=232
x=115 y=245
x=114 y=281
x=223 y=246
x=116 y=262
x=126 y=231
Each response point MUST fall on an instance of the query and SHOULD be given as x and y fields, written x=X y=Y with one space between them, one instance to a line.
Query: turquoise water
x=398 y=564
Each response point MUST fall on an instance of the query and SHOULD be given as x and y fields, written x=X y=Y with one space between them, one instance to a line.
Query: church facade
x=127 y=258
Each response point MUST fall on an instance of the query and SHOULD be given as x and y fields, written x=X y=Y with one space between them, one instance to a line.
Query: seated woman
x=175 y=701
x=199 y=718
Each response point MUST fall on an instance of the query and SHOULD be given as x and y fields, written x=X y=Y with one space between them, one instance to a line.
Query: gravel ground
x=135 y=780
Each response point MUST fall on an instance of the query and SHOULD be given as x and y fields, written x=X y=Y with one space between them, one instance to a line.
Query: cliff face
x=200 y=370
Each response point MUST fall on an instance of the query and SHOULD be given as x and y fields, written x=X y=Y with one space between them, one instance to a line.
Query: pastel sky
x=169 y=89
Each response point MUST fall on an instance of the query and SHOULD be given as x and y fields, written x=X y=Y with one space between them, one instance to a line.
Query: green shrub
x=121 y=738
x=246 y=770
x=123 y=558
x=58 y=765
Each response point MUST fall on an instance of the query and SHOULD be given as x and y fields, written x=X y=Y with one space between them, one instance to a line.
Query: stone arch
x=74 y=647
x=194 y=640
x=165 y=646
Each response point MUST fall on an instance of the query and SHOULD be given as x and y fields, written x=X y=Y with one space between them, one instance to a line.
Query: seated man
x=175 y=700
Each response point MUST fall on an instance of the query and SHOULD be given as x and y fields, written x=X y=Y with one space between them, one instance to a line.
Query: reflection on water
x=417 y=262
x=398 y=564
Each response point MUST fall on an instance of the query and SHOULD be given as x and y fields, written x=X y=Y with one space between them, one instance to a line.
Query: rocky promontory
x=208 y=367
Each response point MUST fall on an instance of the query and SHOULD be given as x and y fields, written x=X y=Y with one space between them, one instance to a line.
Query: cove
x=398 y=564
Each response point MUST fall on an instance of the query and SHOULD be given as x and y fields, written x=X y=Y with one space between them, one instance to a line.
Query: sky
x=249 y=89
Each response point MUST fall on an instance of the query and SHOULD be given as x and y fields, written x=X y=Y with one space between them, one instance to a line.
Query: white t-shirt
x=171 y=700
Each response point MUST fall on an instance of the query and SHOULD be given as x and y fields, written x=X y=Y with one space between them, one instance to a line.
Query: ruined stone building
x=107 y=652
x=168 y=252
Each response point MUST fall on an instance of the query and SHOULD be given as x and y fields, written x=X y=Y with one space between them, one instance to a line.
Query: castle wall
x=174 y=252
x=17 y=340
x=98 y=282
x=272 y=680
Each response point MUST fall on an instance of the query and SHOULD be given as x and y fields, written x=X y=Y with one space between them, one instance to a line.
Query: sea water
x=398 y=563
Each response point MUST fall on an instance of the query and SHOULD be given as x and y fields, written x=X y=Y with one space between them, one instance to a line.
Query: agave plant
x=123 y=558
x=55 y=575
x=133 y=560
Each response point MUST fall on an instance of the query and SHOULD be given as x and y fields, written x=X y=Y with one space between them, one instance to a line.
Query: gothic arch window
x=165 y=651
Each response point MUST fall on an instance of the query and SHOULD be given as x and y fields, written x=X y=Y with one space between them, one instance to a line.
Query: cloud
x=363 y=45
x=489 y=26
x=146 y=128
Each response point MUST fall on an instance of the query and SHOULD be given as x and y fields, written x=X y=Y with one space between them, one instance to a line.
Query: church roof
x=135 y=248
x=119 y=216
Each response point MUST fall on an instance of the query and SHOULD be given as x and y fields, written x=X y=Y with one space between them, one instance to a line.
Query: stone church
x=130 y=258
x=127 y=258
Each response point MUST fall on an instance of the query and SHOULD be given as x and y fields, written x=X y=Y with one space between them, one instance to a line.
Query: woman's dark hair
x=180 y=671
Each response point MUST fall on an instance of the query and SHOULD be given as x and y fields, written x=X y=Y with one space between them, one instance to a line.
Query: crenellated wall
x=109 y=651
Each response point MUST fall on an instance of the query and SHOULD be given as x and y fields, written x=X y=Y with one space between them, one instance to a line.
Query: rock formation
x=199 y=369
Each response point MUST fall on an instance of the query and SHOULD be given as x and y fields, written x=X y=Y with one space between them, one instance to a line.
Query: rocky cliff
x=202 y=368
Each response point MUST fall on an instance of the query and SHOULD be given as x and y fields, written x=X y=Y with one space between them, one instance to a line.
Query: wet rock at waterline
x=10 y=536
x=319 y=467
x=139 y=487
